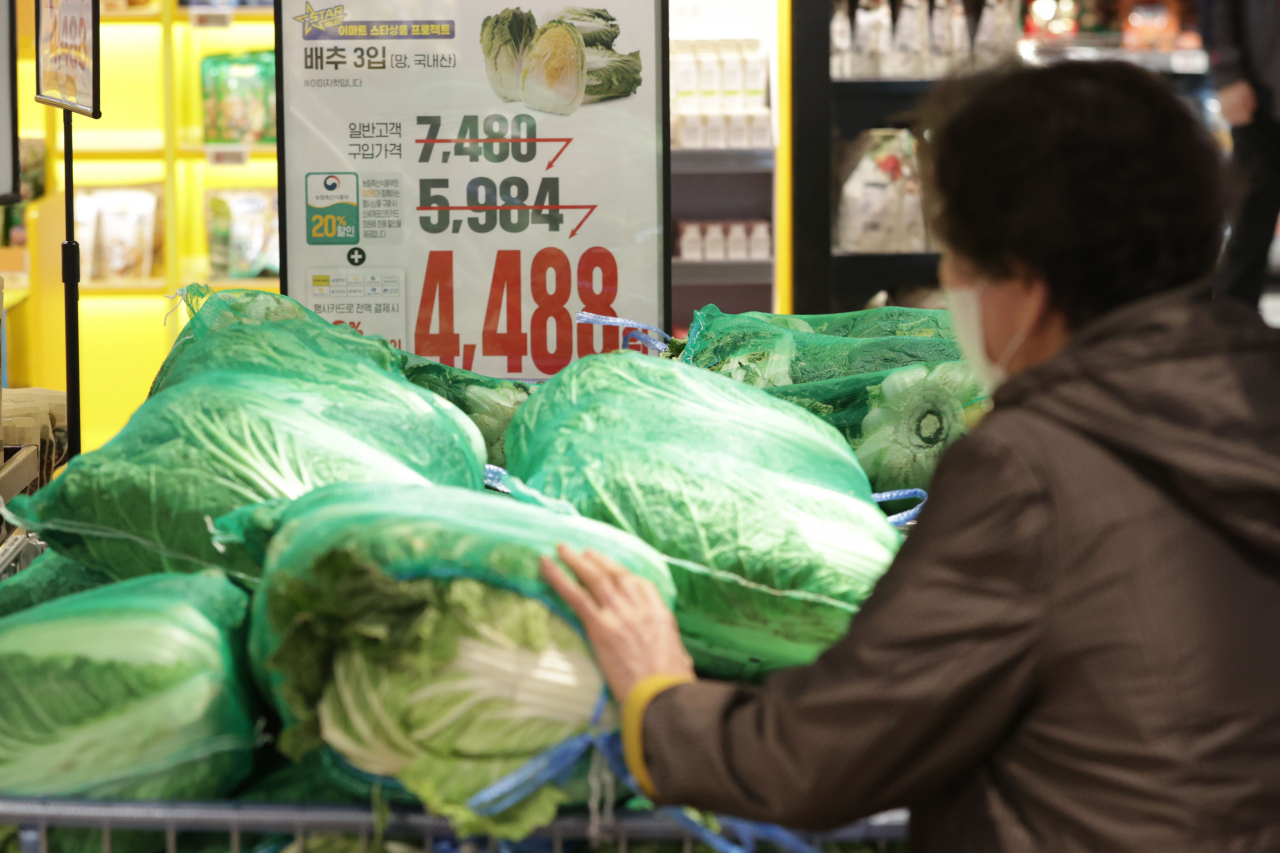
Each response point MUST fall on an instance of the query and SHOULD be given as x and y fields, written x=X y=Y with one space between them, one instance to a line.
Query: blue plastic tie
x=901 y=518
x=651 y=343
x=496 y=478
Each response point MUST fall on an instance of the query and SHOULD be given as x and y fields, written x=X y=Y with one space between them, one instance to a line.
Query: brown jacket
x=1079 y=647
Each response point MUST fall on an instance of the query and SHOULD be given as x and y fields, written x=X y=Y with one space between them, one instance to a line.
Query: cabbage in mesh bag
x=489 y=402
x=49 y=576
x=407 y=628
x=769 y=354
x=218 y=441
x=884 y=322
x=898 y=421
x=136 y=690
x=766 y=503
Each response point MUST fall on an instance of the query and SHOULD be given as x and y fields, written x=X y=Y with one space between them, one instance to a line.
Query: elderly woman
x=1078 y=649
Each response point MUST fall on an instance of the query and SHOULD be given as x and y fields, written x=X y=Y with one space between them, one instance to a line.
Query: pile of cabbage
x=557 y=67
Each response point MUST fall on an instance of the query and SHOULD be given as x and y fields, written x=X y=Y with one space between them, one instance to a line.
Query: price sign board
x=67 y=73
x=462 y=177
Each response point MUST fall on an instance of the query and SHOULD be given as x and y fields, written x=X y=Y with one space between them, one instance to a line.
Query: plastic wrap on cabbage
x=872 y=323
x=219 y=441
x=408 y=630
x=137 y=690
x=50 y=576
x=489 y=402
x=769 y=354
x=249 y=331
x=897 y=421
x=766 y=503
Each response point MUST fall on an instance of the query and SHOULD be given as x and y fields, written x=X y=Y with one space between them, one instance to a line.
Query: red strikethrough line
x=514 y=139
x=589 y=208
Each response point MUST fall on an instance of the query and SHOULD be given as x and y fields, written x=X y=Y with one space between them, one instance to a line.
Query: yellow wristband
x=633 y=724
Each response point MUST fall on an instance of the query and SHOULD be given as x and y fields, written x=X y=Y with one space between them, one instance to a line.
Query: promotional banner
x=463 y=177
x=67 y=55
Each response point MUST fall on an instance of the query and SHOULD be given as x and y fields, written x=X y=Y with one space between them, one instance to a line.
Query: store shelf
x=238 y=13
x=268 y=284
x=721 y=272
x=148 y=15
x=860 y=89
x=1178 y=62
x=856 y=278
x=122 y=286
x=198 y=151
x=751 y=161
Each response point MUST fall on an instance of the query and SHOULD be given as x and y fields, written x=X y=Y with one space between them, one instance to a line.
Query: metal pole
x=71 y=296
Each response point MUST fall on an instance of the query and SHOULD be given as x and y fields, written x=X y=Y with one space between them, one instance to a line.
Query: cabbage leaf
x=611 y=75
x=598 y=27
x=504 y=38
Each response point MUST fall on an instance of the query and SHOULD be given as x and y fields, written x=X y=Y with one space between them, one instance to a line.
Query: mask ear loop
x=1011 y=348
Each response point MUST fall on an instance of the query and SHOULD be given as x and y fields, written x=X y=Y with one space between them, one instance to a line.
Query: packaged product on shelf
x=874 y=215
x=133 y=690
x=691 y=241
x=961 y=35
x=760 y=247
x=996 y=38
x=408 y=629
x=710 y=78
x=841 y=42
x=244 y=237
x=732 y=76
x=239 y=98
x=738 y=128
x=910 y=49
x=761 y=128
x=938 y=62
x=713 y=248
x=736 y=242
x=727 y=481
x=755 y=75
x=126 y=241
x=717 y=131
x=872 y=38
x=693 y=132
x=684 y=78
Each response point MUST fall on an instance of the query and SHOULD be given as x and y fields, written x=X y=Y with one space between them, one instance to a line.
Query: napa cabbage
x=597 y=26
x=504 y=38
x=554 y=76
x=611 y=75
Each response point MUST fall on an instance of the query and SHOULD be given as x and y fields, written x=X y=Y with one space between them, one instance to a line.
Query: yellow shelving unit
x=150 y=133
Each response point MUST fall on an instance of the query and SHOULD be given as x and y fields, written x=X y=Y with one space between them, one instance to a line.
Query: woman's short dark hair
x=1093 y=175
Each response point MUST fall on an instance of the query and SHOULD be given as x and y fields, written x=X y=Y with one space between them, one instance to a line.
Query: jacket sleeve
x=934 y=669
x=1226 y=42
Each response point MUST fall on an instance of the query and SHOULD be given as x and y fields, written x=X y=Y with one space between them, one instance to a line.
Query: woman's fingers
x=596 y=573
x=574 y=595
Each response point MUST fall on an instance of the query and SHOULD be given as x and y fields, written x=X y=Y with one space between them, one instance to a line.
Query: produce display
x=239 y=98
x=763 y=505
x=291 y=537
x=489 y=403
x=407 y=628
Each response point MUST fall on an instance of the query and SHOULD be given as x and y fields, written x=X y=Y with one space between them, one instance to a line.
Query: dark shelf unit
x=824 y=110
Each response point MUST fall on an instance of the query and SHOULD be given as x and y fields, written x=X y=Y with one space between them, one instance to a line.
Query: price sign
x=464 y=177
x=67 y=55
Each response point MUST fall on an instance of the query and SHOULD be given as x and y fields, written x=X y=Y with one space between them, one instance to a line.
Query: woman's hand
x=634 y=634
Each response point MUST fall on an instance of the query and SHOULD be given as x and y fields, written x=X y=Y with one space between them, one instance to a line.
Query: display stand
x=68 y=77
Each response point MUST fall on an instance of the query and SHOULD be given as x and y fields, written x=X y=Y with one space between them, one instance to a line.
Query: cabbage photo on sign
x=561 y=65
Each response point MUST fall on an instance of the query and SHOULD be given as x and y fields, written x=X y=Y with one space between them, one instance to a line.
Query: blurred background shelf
x=722 y=162
x=855 y=278
x=721 y=272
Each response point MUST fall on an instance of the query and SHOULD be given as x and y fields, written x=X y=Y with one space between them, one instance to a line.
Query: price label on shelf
x=463 y=178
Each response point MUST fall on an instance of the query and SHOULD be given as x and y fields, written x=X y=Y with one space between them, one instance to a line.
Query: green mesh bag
x=49 y=576
x=249 y=331
x=766 y=354
x=884 y=322
x=764 y=507
x=489 y=402
x=897 y=421
x=407 y=629
x=136 y=690
x=219 y=441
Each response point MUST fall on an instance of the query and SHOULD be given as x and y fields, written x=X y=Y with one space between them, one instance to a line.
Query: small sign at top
x=67 y=73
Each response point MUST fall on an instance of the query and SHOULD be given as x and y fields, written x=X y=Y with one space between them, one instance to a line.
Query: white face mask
x=966 y=317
